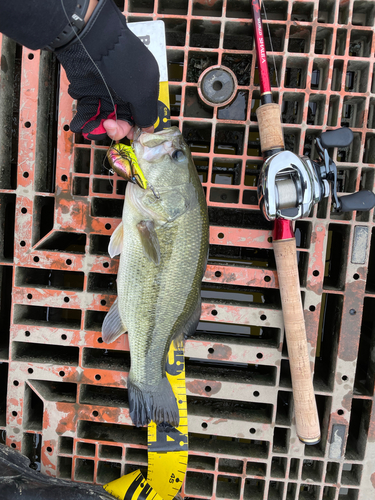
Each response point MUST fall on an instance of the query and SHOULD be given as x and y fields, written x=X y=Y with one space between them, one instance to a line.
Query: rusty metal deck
x=63 y=397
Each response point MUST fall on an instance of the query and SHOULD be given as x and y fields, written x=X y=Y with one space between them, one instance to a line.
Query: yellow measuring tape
x=167 y=448
x=167 y=445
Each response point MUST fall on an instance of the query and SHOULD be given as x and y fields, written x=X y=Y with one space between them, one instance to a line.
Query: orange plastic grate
x=65 y=401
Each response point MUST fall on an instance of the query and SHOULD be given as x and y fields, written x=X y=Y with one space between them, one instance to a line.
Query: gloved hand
x=128 y=67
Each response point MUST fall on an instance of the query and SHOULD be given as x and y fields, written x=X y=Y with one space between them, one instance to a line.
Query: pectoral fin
x=149 y=239
x=112 y=325
x=115 y=244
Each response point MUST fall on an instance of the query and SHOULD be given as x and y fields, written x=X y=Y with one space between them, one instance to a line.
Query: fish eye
x=178 y=155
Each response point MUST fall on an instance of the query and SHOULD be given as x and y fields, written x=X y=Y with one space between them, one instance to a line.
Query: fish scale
x=152 y=311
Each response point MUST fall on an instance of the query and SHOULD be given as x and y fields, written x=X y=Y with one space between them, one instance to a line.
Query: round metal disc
x=217 y=86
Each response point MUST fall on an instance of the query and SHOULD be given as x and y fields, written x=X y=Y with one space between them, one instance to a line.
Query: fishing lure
x=124 y=162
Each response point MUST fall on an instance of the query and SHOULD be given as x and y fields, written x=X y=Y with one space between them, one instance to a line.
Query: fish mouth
x=153 y=146
x=151 y=140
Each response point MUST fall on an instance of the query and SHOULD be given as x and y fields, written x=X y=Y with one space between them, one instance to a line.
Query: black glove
x=128 y=67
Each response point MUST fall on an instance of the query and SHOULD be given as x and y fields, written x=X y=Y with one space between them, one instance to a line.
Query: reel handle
x=339 y=138
x=361 y=200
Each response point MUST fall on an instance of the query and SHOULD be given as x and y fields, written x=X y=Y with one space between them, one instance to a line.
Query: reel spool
x=290 y=185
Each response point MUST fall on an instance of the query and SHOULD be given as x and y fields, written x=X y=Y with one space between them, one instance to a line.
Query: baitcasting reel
x=290 y=185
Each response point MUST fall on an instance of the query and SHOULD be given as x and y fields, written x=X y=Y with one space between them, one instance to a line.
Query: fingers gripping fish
x=163 y=245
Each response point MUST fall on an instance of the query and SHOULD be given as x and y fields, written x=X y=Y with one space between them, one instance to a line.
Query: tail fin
x=157 y=403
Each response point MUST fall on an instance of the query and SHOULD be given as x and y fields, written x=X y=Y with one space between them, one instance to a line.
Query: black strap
x=73 y=28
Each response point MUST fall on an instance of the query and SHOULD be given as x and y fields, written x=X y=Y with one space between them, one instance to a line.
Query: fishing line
x=92 y=60
x=111 y=171
x=269 y=34
x=105 y=84
x=273 y=55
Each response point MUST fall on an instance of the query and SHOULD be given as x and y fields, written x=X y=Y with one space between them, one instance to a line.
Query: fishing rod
x=284 y=245
x=289 y=186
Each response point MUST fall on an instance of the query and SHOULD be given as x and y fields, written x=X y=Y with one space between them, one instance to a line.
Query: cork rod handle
x=270 y=131
x=307 y=422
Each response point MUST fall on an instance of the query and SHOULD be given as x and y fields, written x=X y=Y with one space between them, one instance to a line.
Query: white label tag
x=152 y=34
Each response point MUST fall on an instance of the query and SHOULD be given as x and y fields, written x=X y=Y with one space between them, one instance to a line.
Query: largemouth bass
x=163 y=242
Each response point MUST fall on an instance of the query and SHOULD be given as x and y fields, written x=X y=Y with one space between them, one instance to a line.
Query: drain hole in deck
x=107 y=359
x=237 y=334
x=49 y=278
x=7 y=218
x=33 y=410
x=62 y=392
x=226 y=371
x=116 y=433
x=47 y=316
x=61 y=241
x=3 y=393
x=233 y=410
x=45 y=353
x=104 y=396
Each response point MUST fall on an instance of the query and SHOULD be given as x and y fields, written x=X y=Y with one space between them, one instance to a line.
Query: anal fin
x=189 y=328
x=192 y=322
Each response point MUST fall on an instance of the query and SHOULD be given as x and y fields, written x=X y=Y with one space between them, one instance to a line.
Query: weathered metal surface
x=63 y=397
